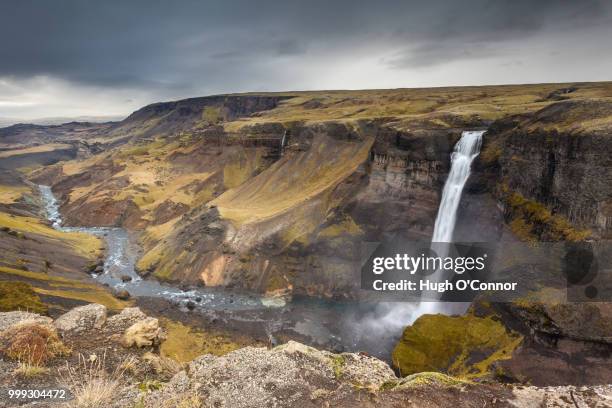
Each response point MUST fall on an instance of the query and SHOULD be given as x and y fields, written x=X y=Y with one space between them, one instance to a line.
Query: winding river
x=121 y=257
x=335 y=325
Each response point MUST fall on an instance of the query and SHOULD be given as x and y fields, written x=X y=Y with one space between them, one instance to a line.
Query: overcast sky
x=78 y=57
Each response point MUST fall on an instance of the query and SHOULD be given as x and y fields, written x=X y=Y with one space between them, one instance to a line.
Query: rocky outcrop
x=289 y=375
x=82 y=318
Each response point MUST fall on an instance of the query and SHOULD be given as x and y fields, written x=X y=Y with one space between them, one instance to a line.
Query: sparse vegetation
x=31 y=343
x=85 y=244
x=90 y=383
x=531 y=220
x=184 y=343
x=20 y=296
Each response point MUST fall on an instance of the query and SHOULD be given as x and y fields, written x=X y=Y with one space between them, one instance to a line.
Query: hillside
x=262 y=190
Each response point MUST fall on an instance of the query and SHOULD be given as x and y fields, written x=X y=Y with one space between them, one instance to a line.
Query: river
x=340 y=326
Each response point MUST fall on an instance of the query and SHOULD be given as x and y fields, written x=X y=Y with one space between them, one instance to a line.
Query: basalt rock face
x=560 y=157
x=566 y=343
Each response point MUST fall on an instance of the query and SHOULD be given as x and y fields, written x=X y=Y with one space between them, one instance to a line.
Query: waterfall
x=464 y=153
x=466 y=150
x=283 y=141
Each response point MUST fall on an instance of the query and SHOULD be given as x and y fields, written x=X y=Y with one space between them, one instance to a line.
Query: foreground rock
x=292 y=375
x=8 y=319
x=118 y=358
x=144 y=333
x=82 y=318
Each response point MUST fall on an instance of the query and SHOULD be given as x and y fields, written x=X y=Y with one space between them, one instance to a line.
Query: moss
x=464 y=346
x=150 y=385
x=276 y=282
x=20 y=296
x=345 y=226
x=430 y=378
x=212 y=114
x=184 y=343
x=491 y=153
x=531 y=220
x=338 y=362
x=242 y=167
x=68 y=288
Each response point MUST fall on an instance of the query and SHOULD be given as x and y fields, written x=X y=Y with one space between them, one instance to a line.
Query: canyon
x=282 y=196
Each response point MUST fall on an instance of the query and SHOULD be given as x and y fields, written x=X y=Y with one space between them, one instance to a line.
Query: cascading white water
x=466 y=150
x=464 y=153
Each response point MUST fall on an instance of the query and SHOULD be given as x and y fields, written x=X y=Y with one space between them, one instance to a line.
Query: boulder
x=8 y=319
x=82 y=319
x=144 y=333
x=291 y=375
x=121 y=294
x=120 y=322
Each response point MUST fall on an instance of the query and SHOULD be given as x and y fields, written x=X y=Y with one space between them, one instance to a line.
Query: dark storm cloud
x=152 y=43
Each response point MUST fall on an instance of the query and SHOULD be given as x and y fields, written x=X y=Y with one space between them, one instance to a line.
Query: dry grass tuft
x=191 y=400
x=91 y=385
x=29 y=370
x=32 y=343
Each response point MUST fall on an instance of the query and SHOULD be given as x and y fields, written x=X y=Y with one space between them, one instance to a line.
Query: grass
x=90 y=384
x=289 y=183
x=20 y=296
x=28 y=370
x=184 y=343
x=36 y=149
x=409 y=105
x=68 y=288
x=84 y=244
x=32 y=343
x=12 y=194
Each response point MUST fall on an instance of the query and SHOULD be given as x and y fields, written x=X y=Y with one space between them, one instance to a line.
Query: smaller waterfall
x=466 y=150
x=283 y=141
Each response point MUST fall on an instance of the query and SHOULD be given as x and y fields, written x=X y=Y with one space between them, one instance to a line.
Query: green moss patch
x=463 y=346
x=532 y=221
x=184 y=343
x=20 y=296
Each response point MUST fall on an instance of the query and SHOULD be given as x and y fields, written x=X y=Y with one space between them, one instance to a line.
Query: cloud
x=164 y=49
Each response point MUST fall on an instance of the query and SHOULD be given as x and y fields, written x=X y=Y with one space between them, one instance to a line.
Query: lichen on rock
x=144 y=333
x=82 y=318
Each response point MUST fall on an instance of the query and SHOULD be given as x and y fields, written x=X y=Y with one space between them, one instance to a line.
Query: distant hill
x=4 y=122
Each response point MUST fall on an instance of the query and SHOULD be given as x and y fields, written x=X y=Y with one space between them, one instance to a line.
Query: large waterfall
x=466 y=150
